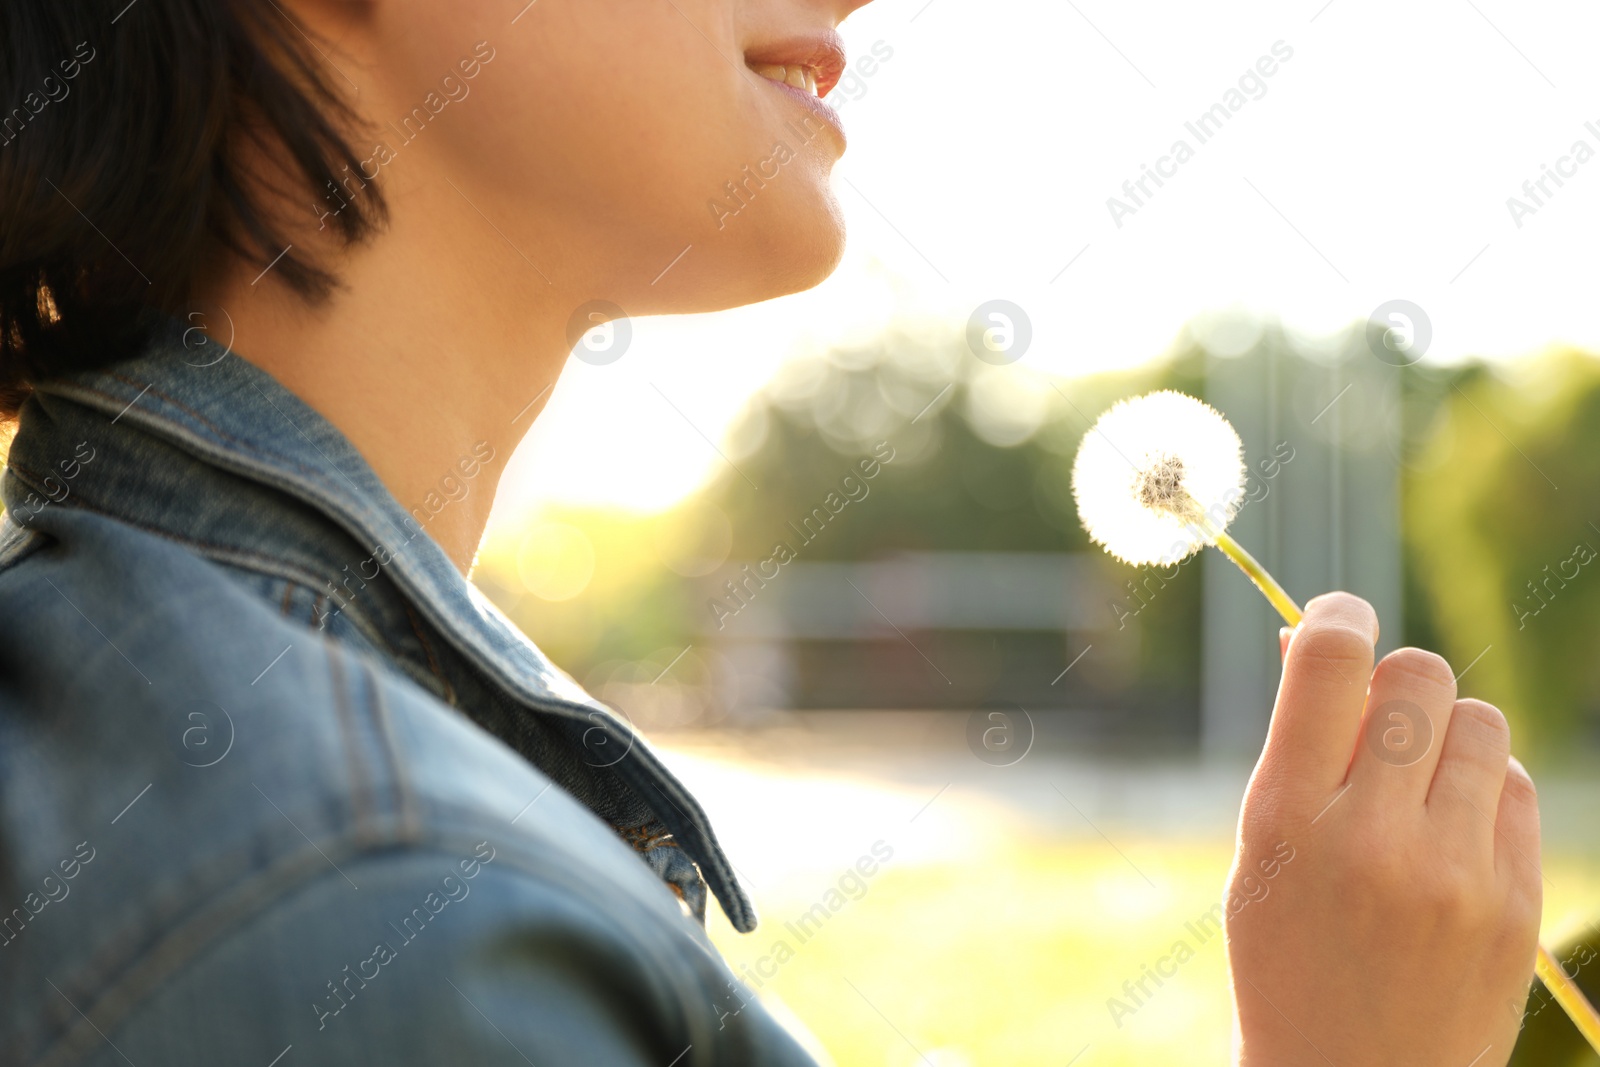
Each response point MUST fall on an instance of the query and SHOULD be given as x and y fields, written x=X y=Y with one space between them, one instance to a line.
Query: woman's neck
x=434 y=353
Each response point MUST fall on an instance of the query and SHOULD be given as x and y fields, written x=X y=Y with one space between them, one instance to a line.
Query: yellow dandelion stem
x=1569 y=996
x=1564 y=989
x=1264 y=580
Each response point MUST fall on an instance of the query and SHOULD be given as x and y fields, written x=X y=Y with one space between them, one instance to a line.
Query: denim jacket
x=276 y=781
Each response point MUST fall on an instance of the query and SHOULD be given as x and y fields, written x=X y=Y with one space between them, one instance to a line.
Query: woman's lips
x=806 y=69
x=821 y=55
x=818 y=107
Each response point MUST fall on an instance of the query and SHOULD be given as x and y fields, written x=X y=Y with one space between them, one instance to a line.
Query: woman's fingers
x=1465 y=794
x=1516 y=852
x=1409 y=704
x=1322 y=694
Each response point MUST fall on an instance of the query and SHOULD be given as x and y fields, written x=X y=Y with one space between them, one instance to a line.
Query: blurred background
x=823 y=551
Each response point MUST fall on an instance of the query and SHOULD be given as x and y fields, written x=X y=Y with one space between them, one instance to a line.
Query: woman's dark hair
x=131 y=135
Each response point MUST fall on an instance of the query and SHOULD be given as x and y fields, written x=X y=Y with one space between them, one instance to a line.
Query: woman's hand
x=1403 y=928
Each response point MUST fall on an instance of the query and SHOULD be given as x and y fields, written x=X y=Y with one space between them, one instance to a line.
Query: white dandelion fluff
x=1158 y=477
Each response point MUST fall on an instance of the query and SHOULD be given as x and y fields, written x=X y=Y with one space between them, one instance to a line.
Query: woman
x=282 y=283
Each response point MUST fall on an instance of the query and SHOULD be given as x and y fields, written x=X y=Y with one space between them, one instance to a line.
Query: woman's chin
x=762 y=268
x=776 y=264
x=797 y=273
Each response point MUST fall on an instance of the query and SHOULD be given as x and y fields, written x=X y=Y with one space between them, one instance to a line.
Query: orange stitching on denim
x=150 y=388
x=250 y=446
x=362 y=794
x=182 y=539
x=230 y=554
x=427 y=649
x=410 y=819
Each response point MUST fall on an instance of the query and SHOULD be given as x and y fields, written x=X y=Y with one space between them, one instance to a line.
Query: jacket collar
x=199 y=399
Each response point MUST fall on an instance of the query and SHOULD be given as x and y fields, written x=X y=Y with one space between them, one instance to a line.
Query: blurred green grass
x=1011 y=962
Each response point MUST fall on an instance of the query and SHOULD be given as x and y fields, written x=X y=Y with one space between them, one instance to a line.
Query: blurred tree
x=1502 y=536
x=982 y=462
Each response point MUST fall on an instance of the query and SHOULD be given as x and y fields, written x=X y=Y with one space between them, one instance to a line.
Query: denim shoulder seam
x=406 y=802
x=362 y=784
x=115 y=992
x=257 y=562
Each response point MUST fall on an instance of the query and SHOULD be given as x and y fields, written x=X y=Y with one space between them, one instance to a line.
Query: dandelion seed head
x=1160 y=485
x=1151 y=470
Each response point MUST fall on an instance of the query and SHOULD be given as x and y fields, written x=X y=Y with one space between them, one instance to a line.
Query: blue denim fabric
x=276 y=780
